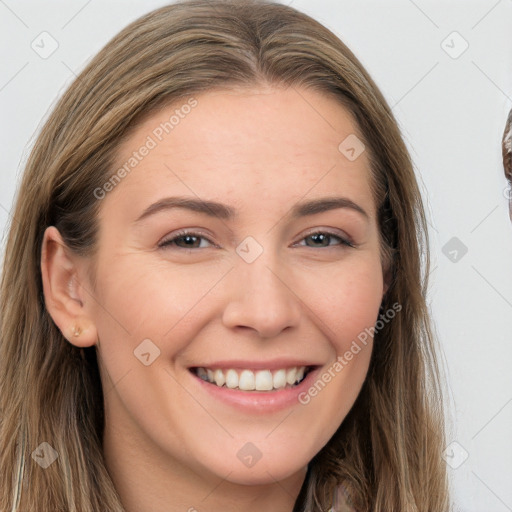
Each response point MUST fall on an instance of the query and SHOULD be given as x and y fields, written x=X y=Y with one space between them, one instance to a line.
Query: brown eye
x=322 y=239
x=185 y=240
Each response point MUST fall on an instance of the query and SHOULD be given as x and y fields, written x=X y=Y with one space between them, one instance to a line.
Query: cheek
x=142 y=297
x=346 y=300
x=346 y=307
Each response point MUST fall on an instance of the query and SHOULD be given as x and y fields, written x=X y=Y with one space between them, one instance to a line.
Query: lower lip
x=258 y=401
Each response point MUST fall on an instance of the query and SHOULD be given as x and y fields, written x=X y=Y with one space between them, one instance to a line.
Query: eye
x=185 y=240
x=324 y=237
x=189 y=240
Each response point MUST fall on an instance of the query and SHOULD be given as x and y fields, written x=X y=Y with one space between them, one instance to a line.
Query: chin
x=271 y=467
x=265 y=474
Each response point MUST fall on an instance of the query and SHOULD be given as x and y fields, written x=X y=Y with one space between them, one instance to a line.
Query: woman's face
x=260 y=284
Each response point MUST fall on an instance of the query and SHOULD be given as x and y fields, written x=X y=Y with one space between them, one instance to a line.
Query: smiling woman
x=213 y=298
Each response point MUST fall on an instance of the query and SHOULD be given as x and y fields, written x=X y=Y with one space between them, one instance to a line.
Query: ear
x=65 y=297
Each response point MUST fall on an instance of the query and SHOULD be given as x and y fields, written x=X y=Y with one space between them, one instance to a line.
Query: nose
x=260 y=298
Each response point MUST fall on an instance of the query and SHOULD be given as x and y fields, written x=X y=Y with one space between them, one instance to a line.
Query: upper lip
x=274 y=364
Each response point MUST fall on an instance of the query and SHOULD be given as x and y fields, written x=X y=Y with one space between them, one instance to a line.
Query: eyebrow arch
x=225 y=212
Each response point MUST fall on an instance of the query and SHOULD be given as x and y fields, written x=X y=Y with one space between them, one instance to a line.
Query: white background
x=452 y=113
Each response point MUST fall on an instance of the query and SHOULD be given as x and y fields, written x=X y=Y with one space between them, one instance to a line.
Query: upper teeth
x=247 y=380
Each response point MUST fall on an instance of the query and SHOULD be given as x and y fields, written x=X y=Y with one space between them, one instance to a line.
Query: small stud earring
x=77 y=331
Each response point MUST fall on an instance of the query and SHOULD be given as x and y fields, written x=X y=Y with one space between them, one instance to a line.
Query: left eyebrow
x=325 y=204
x=211 y=208
x=225 y=212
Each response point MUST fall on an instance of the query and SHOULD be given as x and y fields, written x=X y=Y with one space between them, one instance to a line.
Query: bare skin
x=170 y=443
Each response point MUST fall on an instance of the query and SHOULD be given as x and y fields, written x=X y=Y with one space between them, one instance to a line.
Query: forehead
x=249 y=145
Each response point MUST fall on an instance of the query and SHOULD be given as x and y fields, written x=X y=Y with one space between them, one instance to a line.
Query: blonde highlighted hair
x=387 y=452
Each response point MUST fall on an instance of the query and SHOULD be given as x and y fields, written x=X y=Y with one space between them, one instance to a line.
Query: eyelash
x=169 y=242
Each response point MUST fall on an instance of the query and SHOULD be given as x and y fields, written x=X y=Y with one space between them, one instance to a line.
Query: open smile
x=253 y=389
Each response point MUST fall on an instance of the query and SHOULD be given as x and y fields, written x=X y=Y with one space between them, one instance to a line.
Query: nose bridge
x=261 y=298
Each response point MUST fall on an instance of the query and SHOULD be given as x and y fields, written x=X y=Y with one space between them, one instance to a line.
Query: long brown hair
x=387 y=451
